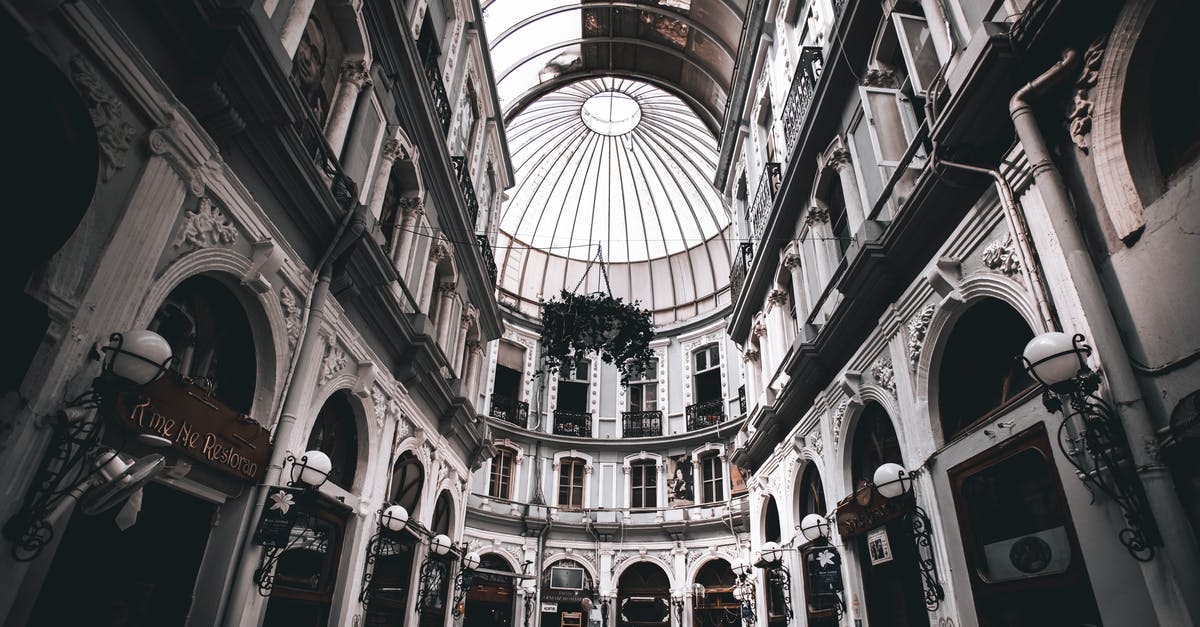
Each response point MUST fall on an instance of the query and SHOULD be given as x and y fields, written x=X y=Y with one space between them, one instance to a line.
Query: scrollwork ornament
x=1079 y=119
x=1001 y=255
x=113 y=133
x=206 y=226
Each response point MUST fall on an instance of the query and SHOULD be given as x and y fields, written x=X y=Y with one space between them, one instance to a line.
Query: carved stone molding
x=793 y=260
x=814 y=442
x=291 y=314
x=879 y=78
x=380 y=401
x=393 y=150
x=1001 y=255
x=335 y=362
x=839 y=414
x=918 y=326
x=447 y=288
x=777 y=297
x=884 y=374
x=114 y=133
x=838 y=158
x=1079 y=119
x=206 y=226
x=816 y=215
x=356 y=72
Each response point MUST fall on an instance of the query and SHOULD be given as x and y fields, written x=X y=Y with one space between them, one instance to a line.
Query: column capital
x=793 y=260
x=356 y=72
x=839 y=159
x=777 y=297
x=447 y=288
x=816 y=215
x=393 y=150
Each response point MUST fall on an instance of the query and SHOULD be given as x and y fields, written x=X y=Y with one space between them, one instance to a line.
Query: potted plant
x=575 y=324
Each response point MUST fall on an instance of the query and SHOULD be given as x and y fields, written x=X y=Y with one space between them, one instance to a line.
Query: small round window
x=611 y=113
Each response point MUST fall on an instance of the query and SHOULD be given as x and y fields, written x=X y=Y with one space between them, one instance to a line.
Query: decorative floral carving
x=108 y=115
x=838 y=415
x=335 y=361
x=1079 y=119
x=814 y=442
x=838 y=158
x=884 y=374
x=380 y=401
x=777 y=297
x=356 y=72
x=206 y=226
x=393 y=150
x=918 y=326
x=879 y=78
x=291 y=314
x=816 y=215
x=1001 y=255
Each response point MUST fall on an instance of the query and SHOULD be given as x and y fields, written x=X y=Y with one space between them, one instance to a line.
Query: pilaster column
x=445 y=312
x=474 y=356
x=388 y=154
x=826 y=248
x=839 y=160
x=427 y=287
x=766 y=359
x=293 y=27
x=355 y=74
x=793 y=261
x=777 y=301
x=412 y=209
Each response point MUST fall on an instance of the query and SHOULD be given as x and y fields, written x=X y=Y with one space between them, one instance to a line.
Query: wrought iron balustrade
x=764 y=200
x=705 y=414
x=641 y=424
x=437 y=89
x=742 y=400
x=510 y=410
x=741 y=267
x=312 y=138
x=800 y=96
x=576 y=423
x=489 y=259
x=467 y=187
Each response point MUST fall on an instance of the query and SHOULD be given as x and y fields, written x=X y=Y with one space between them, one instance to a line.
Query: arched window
x=443 y=513
x=980 y=373
x=812 y=494
x=570 y=483
x=643 y=596
x=210 y=338
x=408 y=477
x=771 y=531
x=501 y=482
x=715 y=606
x=1174 y=95
x=334 y=434
x=875 y=443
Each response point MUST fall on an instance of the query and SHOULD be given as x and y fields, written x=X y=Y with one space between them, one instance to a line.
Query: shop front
x=566 y=584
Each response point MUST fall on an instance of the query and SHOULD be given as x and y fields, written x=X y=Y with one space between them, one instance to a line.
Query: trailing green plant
x=574 y=325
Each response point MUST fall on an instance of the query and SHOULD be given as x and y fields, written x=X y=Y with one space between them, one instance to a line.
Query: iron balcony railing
x=437 y=89
x=742 y=400
x=800 y=97
x=510 y=410
x=466 y=186
x=764 y=200
x=576 y=423
x=489 y=259
x=641 y=424
x=705 y=414
x=741 y=267
x=344 y=189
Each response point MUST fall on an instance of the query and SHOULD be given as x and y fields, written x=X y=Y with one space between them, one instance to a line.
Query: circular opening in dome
x=611 y=113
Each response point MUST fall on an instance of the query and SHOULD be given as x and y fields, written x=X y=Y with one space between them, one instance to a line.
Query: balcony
x=437 y=89
x=641 y=424
x=312 y=138
x=705 y=414
x=466 y=186
x=576 y=423
x=510 y=411
x=489 y=259
x=764 y=200
x=800 y=98
x=741 y=267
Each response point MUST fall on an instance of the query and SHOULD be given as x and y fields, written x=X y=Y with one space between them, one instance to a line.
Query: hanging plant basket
x=574 y=325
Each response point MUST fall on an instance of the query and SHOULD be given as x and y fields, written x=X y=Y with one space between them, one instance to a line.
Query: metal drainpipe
x=351 y=229
x=1167 y=579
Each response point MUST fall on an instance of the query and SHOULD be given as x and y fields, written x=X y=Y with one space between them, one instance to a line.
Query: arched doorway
x=643 y=597
x=306 y=574
x=713 y=604
x=776 y=589
x=436 y=571
x=160 y=546
x=565 y=584
x=821 y=600
x=886 y=554
x=391 y=576
x=489 y=602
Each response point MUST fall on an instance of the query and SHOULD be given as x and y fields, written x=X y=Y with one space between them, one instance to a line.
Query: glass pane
x=919 y=52
x=1017 y=519
x=888 y=123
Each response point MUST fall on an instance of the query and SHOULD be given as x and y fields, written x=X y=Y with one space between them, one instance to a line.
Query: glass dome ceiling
x=614 y=162
x=621 y=164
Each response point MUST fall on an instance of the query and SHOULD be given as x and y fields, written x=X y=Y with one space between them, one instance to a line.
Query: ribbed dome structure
x=625 y=165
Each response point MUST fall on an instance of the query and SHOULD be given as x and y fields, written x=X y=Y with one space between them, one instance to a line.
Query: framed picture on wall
x=878 y=546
